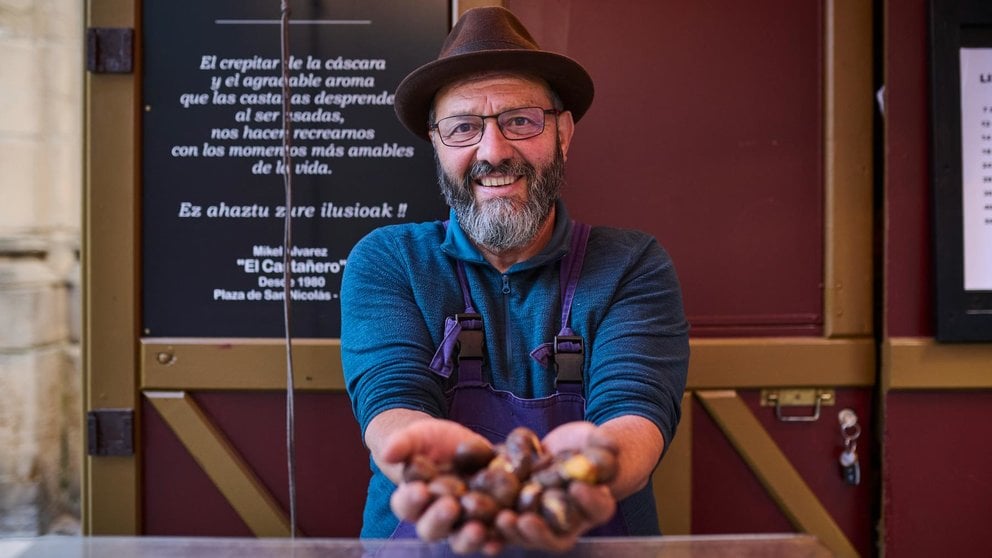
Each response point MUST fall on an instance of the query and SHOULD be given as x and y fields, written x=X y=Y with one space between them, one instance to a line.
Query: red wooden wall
x=332 y=466
x=907 y=171
x=937 y=469
x=705 y=131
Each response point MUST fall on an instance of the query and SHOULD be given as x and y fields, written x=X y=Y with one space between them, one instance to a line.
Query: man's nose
x=493 y=148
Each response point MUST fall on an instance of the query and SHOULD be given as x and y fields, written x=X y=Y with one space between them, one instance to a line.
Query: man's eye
x=519 y=122
x=464 y=128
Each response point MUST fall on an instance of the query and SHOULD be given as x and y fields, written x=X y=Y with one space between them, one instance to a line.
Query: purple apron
x=493 y=413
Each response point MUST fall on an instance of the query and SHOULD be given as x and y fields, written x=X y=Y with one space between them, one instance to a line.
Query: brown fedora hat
x=484 y=40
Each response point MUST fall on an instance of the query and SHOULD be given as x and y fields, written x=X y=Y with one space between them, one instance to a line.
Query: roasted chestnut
x=478 y=506
x=420 y=468
x=447 y=485
x=604 y=461
x=529 y=499
x=519 y=474
x=558 y=510
x=472 y=455
x=503 y=486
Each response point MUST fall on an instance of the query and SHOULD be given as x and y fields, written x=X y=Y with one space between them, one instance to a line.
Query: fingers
x=436 y=439
x=492 y=547
x=578 y=435
x=535 y=533
x=529 y=530
x=438 y=519
x=569 y=436
x=409 y=500
x=506 y=524
x=470 y=538
x=433 y=519
x=595 y=502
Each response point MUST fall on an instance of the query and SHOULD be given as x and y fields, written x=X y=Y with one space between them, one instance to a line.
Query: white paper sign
x=976 y=166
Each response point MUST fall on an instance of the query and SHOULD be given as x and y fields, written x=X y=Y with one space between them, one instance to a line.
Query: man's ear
x=566 y=127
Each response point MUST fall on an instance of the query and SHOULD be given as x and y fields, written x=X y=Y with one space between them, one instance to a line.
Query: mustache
x=502 y=223
x=509 y=167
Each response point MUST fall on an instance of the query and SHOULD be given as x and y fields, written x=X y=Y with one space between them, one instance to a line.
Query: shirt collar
x=458 y=245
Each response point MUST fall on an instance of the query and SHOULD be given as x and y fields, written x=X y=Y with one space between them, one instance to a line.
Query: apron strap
x=571 y=267
x=568 y=347
x=463 y=338
x=565 y=352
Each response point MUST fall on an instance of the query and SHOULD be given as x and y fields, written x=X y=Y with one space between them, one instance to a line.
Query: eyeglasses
x=515 y=124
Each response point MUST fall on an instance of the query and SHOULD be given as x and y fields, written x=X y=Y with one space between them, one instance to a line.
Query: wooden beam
x=260 y=364
x=110 y=493
x=222 y=463
x=848 y=221
x=773 y=469
x=922 y=363
x=672 y=479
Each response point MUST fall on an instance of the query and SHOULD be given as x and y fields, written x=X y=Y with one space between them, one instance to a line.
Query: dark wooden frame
x=960 y=315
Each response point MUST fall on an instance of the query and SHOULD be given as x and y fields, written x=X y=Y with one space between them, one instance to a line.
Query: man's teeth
x=493 y=181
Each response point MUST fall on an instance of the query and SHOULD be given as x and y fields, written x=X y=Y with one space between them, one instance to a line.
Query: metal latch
x=799 y=397
x=110 y=50
x=110 y=432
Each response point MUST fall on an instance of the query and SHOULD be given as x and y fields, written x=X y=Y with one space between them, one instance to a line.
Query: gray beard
x=502 y=224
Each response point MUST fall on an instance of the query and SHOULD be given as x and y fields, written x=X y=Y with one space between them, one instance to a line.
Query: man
x=583 y=334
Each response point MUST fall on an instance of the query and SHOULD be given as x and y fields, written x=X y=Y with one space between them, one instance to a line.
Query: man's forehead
x=525 y=82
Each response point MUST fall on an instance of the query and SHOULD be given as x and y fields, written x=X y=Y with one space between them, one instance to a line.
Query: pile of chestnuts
x=518 y=474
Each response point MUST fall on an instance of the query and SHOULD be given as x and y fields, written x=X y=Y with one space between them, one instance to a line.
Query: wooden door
x=739 y=134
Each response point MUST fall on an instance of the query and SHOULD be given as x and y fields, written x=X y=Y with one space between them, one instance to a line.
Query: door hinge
x=110 y=50
x=110 y=432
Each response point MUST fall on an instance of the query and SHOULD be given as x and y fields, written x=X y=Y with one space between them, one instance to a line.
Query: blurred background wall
x=41 y=65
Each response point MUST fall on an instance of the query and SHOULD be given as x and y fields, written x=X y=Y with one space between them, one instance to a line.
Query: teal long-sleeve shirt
x=400 y=284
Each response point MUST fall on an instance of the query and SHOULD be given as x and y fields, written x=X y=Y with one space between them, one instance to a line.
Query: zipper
x=506 y=319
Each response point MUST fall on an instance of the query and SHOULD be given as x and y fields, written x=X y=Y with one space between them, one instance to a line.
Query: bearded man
x=508 y=314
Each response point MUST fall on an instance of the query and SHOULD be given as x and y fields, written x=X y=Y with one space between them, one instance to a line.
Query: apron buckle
x=568 y=358
x=470 y=338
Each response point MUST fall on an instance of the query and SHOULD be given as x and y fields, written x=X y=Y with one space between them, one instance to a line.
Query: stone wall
x=41 y=76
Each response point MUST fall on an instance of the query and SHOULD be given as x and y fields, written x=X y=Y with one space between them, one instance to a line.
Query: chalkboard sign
x=961 y=93
x=212 y=172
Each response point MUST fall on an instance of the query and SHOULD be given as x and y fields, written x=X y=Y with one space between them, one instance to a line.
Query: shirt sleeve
x=386 y=344
x=640 y=354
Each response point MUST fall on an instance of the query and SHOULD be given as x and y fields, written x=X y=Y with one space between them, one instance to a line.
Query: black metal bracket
x=110 y=50
x=110 y=432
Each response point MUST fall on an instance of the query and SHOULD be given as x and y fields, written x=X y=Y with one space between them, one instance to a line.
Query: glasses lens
x=515 y=124
x=521 y=123
x=460 y=130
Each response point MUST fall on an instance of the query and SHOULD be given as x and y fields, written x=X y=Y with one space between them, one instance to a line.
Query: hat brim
x=416 y=92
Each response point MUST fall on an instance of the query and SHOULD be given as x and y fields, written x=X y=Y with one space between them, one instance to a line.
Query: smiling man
x=509 y=314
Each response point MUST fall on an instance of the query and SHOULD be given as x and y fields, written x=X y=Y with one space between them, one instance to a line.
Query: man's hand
x=395 y=435
x=413 y=434
x=435 y=439
x=634 y=441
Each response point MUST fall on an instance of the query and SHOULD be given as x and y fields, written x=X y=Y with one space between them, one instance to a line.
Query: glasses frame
x=484 y=117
